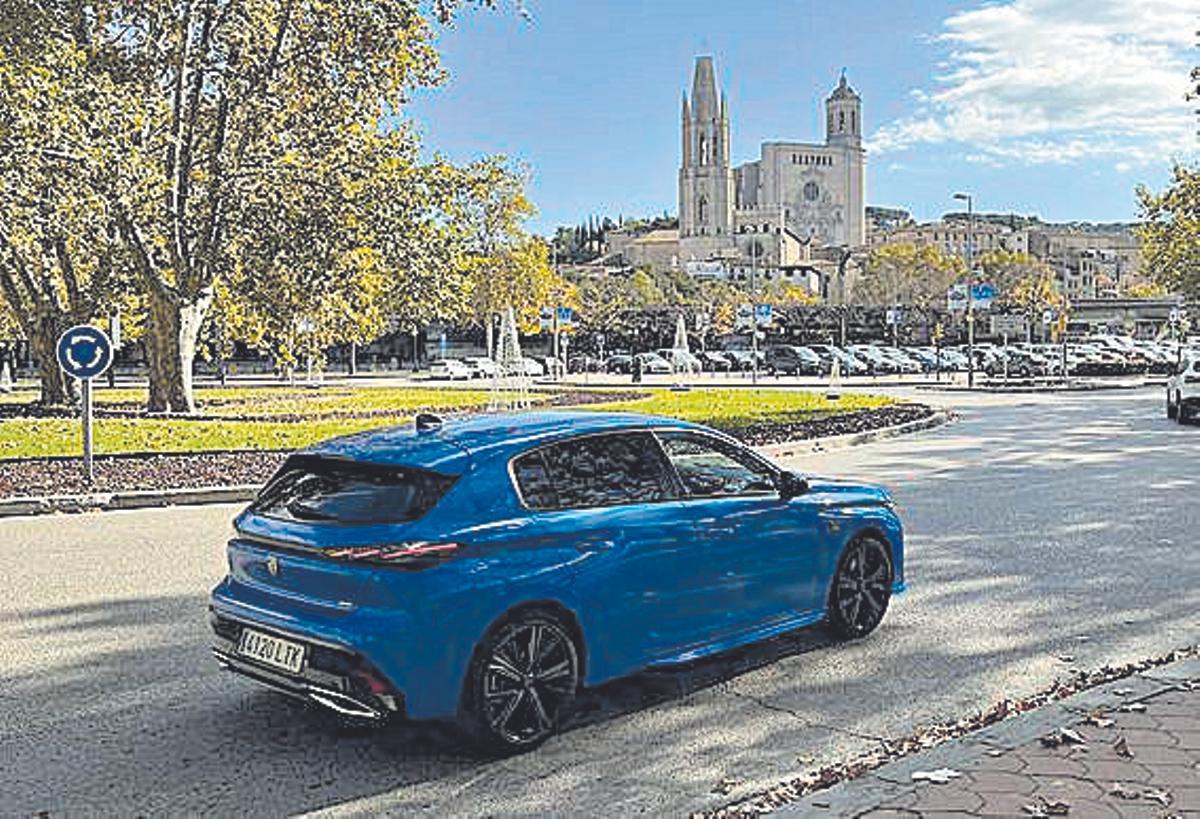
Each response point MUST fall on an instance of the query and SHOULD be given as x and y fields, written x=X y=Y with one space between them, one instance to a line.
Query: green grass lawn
x=327 y=413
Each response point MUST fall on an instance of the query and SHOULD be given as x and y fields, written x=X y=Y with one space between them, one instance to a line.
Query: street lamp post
x=970 y=286
x=754 y=251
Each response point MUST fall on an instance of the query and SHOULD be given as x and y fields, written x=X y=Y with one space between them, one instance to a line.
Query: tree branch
x=75 y=302
x=175 y=146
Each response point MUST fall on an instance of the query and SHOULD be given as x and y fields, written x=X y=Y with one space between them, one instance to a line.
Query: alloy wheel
x=862 y=587
x=529 y=675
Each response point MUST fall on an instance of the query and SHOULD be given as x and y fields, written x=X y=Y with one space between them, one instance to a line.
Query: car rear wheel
x=861 y=588
x=522 y=680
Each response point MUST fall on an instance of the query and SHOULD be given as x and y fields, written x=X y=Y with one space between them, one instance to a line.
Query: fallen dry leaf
x=1161 y=797
x=1121 y=792
x=1122 y=748
x=940 y=777
x=1063 y=736
x=1098 y=719
x=1133 y=707
x=1045 y=807
x=726 y=786
x=1122 y=692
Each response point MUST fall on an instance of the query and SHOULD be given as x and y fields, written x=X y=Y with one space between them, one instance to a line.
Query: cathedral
x=774 y=213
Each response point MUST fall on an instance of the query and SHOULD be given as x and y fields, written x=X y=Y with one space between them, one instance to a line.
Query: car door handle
x=711 y=528
x=594 y=545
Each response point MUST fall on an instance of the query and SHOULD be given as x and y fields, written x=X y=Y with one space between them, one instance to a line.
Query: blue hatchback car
x=486 y=569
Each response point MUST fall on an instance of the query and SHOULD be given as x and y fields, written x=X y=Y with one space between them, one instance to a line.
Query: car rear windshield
x=315 y=488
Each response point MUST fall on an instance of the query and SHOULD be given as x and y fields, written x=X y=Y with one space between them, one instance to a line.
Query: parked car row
x=1092 y=356
x=464 y=369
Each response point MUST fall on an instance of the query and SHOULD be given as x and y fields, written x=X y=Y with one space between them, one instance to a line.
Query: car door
x=763 y=548
x=641 y=577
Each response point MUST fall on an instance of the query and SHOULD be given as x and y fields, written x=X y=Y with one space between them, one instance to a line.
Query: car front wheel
x=861 y=589
x=522 y=680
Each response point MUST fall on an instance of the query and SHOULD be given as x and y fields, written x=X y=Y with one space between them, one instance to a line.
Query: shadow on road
x=1035 y=534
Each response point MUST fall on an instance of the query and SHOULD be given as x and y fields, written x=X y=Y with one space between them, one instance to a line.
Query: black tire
x=861 y=587
x=519 y=686
x=1172 y=409
x=1183 y=412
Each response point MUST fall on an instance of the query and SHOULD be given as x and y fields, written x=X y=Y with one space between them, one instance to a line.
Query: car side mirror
x=790 y=485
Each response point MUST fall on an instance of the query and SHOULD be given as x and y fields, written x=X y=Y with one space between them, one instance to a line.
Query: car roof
x=448 y=447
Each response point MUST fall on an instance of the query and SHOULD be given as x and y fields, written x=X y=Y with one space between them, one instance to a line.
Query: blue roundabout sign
x=84 y=351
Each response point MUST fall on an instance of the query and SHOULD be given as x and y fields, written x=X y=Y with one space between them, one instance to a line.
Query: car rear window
x=595 y=470
x=314 y=488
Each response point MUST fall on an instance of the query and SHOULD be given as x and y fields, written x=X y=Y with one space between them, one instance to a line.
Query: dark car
x=619 y=363
x=486 y=569
x=585 y=364
x=788 y=359
x=715 y=361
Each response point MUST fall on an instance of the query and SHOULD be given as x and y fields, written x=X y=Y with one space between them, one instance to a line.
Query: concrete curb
x=857 y=796
x=1039 y=388
x=143 y=499
x=807 y=446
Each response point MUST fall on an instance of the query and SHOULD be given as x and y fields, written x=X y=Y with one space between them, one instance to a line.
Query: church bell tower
x=843 y=116
x=705 y=174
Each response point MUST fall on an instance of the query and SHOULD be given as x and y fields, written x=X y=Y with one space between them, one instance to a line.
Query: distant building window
x=811 y=191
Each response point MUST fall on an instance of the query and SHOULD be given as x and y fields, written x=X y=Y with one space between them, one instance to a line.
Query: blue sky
x=1035 y=106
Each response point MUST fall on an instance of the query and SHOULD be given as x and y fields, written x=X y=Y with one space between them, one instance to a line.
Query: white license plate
x=271 y=650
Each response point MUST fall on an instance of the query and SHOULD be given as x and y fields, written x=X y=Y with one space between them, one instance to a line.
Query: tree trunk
x=58 y=388
x=170 y=340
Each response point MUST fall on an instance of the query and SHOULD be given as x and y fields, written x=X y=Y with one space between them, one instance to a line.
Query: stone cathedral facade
x=815 y=192
x=784 y=211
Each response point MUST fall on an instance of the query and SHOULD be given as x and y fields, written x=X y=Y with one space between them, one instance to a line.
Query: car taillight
x=415 y=555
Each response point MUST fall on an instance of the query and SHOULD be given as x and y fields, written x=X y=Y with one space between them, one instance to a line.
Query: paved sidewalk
x=1130 y=748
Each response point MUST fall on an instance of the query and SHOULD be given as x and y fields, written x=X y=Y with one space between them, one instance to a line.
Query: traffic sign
x=762 y=313
x=84 y=351
x=1047 y=316
x=983 y=295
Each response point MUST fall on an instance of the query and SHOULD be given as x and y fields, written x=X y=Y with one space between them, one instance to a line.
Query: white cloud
x=1054 y=81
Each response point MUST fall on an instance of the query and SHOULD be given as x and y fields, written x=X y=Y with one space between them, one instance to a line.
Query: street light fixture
x=966 y=197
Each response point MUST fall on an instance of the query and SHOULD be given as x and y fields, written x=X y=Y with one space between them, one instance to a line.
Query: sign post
x=85 y=352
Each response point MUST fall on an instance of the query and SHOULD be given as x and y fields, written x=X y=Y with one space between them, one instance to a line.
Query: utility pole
x=969 y=199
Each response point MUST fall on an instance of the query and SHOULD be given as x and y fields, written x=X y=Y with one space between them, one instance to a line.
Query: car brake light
x=418 y=554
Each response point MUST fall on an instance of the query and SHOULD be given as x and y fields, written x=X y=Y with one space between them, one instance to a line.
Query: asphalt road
x=1040 y=527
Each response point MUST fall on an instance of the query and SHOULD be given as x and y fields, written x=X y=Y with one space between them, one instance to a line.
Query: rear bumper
x=333 y=677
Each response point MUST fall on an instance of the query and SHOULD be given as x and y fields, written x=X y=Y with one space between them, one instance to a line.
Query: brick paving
x=1139 y=757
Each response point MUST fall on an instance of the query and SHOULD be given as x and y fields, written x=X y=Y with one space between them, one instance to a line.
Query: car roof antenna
x=428 y=422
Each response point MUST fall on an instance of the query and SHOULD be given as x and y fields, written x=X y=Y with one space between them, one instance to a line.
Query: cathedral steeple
x=705 y=175
x=843 y=115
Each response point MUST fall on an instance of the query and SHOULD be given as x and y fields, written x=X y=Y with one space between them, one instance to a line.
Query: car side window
x=708 y=467
x=595 y=470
